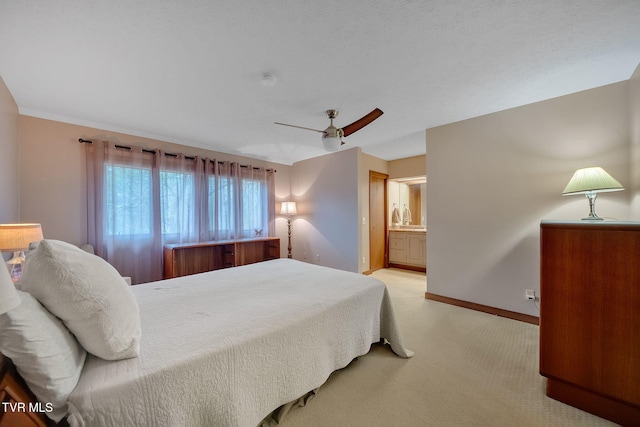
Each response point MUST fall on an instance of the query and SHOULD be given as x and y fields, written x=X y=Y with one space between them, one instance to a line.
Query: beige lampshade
x=288 y=208
x=17 y=237
x=594 y=179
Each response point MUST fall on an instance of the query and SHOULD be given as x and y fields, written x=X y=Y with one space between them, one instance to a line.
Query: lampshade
x=331 y=143
x=16 y=237
x=594 y=179
x=288 y=208
x=9 y=298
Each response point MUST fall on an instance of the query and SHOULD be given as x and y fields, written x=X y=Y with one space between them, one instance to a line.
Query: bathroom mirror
x=407 y=201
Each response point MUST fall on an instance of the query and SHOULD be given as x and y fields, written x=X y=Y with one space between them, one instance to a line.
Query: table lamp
x=590 y=181
x=16 y=238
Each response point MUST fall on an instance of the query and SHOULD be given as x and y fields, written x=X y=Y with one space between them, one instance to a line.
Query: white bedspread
x=226 y=348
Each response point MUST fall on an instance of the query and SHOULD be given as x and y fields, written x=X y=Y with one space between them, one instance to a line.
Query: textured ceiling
x=191 y=71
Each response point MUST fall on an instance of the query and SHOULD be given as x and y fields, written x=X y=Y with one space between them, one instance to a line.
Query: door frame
x=385 y=216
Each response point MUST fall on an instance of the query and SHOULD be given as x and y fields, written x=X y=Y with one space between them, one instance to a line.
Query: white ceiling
x=191 y=71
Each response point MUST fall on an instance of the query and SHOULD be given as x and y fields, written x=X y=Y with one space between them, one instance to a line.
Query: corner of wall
x=10 y=159
x=634 y=145
x=326 y=189
x=483 y=229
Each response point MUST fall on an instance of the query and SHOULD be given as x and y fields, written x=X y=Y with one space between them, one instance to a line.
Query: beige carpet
x=469 y=369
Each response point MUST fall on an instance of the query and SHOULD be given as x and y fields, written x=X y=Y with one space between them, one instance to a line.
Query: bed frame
x=19 y=405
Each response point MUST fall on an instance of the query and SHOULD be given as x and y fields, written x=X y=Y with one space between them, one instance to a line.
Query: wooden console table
x=191 y=258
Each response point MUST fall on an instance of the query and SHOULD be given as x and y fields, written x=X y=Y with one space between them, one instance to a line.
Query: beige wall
x=492 y=179
x=328 y=189
x=332 y=191
x=634 y=119
x=53 y=175
x=326 y=230
x=409 y=167
x=9 y=160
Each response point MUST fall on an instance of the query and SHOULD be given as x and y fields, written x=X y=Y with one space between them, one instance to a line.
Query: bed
x=228 y=347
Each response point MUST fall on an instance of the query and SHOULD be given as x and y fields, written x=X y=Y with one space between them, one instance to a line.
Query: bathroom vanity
x=408 y=247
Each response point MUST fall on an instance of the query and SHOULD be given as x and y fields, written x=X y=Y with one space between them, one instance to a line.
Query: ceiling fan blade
x=360 y=123
x=299 y=127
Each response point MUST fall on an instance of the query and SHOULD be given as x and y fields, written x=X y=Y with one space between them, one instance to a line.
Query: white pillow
x=45 y=353
x=88 y=294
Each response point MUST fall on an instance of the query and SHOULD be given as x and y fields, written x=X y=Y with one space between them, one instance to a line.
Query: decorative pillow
x=88 y=294
x=45 y=353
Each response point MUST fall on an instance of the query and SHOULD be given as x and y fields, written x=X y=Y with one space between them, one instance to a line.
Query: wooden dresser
x=590 y=316
x=191 y=258
x=18 y=402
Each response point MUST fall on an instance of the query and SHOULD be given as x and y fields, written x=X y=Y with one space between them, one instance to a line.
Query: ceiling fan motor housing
x=332 y=136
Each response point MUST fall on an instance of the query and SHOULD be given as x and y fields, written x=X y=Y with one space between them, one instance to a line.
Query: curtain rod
x=144 y=150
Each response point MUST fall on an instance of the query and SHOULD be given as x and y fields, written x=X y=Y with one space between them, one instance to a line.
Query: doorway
x=378 y=257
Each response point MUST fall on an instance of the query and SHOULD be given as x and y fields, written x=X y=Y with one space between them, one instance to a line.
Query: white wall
x=492 y=179
x=9 y=160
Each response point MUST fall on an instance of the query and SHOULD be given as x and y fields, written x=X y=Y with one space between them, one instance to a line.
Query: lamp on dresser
x=16 y=238
x=289 y=209
x=590 y=181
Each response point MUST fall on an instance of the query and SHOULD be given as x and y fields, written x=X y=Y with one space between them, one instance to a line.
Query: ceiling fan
x=332 y=136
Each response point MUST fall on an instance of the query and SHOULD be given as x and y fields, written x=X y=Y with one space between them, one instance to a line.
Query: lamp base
x=591 y=196
x=289 y=235
x=14 y=265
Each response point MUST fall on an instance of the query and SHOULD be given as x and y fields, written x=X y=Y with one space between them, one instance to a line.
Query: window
x=128 y=196
x=254 y=207
x=177 y=203
x=139 y=200
x=129 y=206
x=222 y=214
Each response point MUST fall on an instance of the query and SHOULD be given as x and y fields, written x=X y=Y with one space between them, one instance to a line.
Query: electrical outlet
x=364 y=260
x=530 y=294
